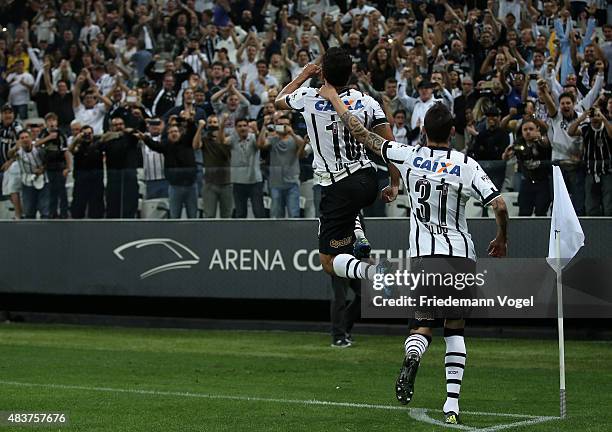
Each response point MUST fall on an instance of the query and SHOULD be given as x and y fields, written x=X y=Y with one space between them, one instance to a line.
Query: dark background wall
x=244 y=269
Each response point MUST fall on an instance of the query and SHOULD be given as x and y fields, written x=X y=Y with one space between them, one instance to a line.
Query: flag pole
x=560 y=328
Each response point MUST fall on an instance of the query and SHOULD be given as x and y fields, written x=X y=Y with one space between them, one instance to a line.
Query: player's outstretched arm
x=498 y=247
x=372 y=140
x=309 y=71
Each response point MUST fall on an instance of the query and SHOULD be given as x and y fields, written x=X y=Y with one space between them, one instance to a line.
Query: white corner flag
x=566 y=239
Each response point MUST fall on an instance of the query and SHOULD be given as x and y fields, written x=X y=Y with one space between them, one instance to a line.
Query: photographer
x=88 y=193
x=59 y=165
x=285 y=150
x=533 y=154
x=178 y=146
x=489 y=146
x=597 y=157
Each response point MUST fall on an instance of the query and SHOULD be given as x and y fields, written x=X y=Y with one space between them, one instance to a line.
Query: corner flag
x=566 y=236
x=566 y=239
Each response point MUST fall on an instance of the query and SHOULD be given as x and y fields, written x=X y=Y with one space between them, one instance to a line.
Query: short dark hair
x=263 y=62
x=567 y=95
x=399 y=111
x=216 y=63
x=24 y=131
x=302 y=50
x=241 y=119
x=438 y=123
x=337 y=66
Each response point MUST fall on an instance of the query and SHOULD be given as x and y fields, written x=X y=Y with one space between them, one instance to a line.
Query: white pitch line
x=419 y=414
x=517 y=424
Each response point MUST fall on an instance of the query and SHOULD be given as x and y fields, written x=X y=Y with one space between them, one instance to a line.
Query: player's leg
x=338 y=309
x=341 y=204
x=454 y=362
x=415 y=346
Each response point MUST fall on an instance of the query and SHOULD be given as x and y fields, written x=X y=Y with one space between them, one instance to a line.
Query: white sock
x=359 y=233
x=417 y=344
x=454 y=364
x=349 y=267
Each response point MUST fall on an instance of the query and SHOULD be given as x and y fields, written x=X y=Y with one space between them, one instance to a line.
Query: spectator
x=120 y=147
x=236 y=105
x=165 y=98
x=153 y=163
x=285 y=148
x=489 y=146
x=247 y=181
x=180 y=166
x=401 y=131
x=417 y=106
x=566 y=150
x=60 y=101
x=10 y=173
x=35 y=183
x=58 y=164
x=21 y=83
x=217 y=191
x=90 y=112
x=597 y=142
x=88 y=192
x=532 y=151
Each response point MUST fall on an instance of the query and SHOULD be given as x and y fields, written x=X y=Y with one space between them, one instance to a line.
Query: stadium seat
x=7 y=211
x=473 y=209
x=399 y=208
x=142 y=189
x=155 y=209
x=511 y=199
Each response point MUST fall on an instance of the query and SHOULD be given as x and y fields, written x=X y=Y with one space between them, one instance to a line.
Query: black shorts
x=341 y=202
x=435 y=316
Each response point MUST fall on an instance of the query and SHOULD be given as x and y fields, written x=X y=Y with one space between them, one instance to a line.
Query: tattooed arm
x=372 y=140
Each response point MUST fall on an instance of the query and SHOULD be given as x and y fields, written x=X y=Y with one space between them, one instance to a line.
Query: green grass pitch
x=115 y=379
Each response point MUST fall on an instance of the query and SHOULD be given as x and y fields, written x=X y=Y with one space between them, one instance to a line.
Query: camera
x=279 y=128
x=270 y=127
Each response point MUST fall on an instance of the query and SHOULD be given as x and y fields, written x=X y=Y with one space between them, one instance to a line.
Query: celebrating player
x=344 y=170
x=439 y=181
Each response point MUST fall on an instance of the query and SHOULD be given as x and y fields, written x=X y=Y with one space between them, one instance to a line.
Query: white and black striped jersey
x=440 y=181
x=30 y=163
x=153 y=162
x=8 y=139
x=336 y=153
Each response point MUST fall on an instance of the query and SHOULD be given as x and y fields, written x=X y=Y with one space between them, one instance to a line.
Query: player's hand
x=497 y=248
x=328 y=91
x=389 y=193
x=311 y=70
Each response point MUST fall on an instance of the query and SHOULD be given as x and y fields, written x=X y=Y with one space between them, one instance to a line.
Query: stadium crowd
x=158 y=108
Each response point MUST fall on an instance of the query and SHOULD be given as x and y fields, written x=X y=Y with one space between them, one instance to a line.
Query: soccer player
x=343 y=169
x=439 y=181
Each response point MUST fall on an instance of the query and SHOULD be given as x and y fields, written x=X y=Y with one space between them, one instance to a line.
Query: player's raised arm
x=372 y=140
x=309 y=71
